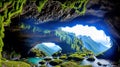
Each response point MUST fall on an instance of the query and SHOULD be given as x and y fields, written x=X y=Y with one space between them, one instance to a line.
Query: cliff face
x=55 y=10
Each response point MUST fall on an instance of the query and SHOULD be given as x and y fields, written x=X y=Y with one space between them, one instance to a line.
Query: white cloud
x=98 y=36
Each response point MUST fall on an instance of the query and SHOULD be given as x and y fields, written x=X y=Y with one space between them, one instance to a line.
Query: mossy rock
x=73 y=64
x=63 y=57
x=75 y=57
x=57 y=66
x=14 y=64
x=55 y=62
x=42 y=62
x=3 y=59
x=85 y=65
x=70 y=64
x=43 y=65
x=91 y=58
x=47 y=58
x=83 y=55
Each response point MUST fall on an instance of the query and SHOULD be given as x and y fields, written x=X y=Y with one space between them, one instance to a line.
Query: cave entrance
x=76 y=34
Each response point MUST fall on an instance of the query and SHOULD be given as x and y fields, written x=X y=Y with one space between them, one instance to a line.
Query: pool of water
x=34 y=60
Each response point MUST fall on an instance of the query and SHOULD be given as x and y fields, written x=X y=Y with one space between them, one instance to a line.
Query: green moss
x=57 y=66
x=73 y=64
x=14 y=64
x=42 y=62
x=78 y=5
x=91 y=58
x=38 y=53
x=85 y=65
x=12 y=8
x=63 y=57
x=41 y=4
x=75 y=57
x=56 y=62
x=43 y=66
x=70 y=64
x=47 y=58
x=8 y=10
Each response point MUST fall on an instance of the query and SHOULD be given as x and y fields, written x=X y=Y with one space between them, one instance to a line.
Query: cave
x=62 y=28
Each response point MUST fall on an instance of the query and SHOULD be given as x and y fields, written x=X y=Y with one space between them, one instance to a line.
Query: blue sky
x=96 y=35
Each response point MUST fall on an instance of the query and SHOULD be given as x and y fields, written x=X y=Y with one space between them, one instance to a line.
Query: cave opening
x=29 y=34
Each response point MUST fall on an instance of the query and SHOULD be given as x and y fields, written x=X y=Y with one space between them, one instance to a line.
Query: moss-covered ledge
x=8 y=9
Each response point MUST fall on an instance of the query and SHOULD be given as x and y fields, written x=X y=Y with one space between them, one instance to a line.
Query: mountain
x=48 y=48
x=95 y=47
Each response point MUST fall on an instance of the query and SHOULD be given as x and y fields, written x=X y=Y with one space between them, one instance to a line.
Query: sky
x=96 y=35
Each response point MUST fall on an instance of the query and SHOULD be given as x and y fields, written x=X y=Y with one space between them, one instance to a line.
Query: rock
x=52 y=11
x=47 y=58
x=42 y=62
x=91 y=58
x=104 y=65
x=56 y=62
x=99 y=63
x=63 y=57
x=115 y=63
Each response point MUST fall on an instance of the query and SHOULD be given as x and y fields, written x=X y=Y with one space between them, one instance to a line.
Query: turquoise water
x=34 y=60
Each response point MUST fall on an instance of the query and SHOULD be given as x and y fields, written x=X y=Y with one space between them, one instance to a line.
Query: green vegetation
x=78 y=5
x=91 y=58
x=33 y=28
x=42 y=62
x=8 y=63
x=26 y=27
x=63 y=57
x=38 y=53
x=46 y=31
x=43 y=66
x=13 y=8
x=70 y=38
x=56 y=62
x=76 y=57
x=73 y=64
x=47 y=58
x=9 y=9
x=40 y=4
x=69 y=64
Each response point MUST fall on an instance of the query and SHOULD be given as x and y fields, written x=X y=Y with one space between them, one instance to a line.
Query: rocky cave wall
x=40 y=9
x=51 y=10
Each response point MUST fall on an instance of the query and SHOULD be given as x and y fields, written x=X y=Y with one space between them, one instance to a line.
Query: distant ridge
x=95 y=47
